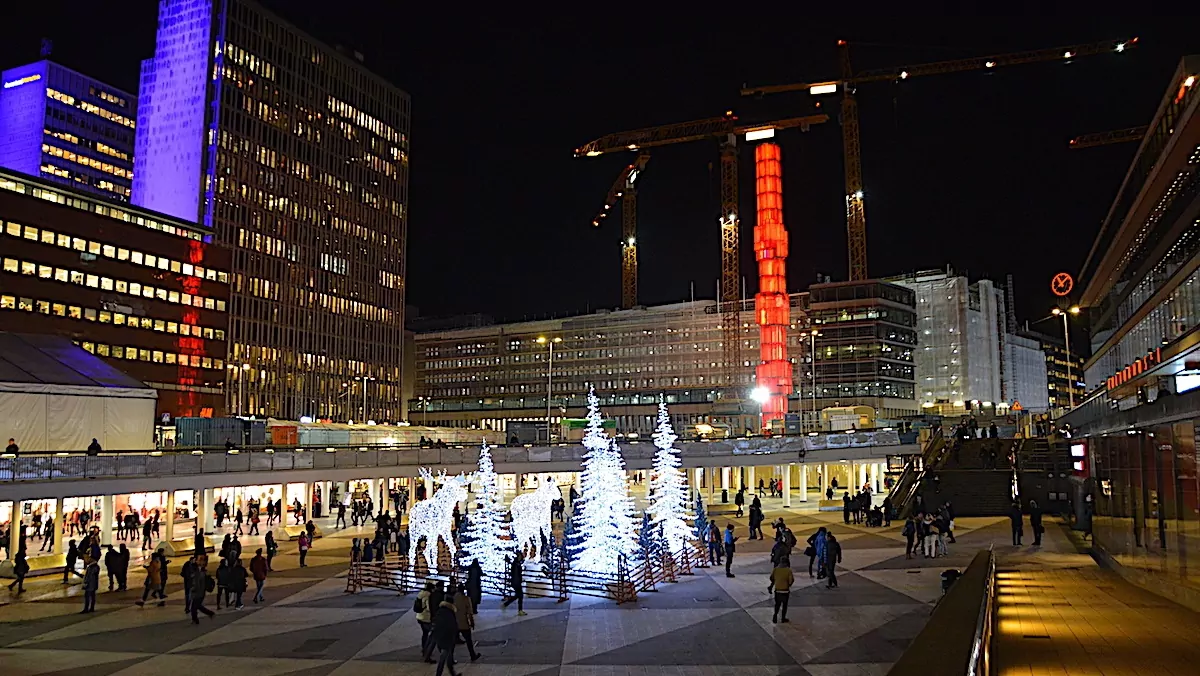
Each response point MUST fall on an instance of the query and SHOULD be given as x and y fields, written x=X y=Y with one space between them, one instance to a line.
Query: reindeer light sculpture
x=434 y=517
x=531 y=516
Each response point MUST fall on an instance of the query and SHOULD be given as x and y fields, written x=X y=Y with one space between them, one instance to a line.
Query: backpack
x=209 y=583
x=789 y=539
x=418 y=605
x=908 y=529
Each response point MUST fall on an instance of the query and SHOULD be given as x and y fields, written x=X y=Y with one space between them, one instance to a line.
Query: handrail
x=909 y=485
x=957 y=638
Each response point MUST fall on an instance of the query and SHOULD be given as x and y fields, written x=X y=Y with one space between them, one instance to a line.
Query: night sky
x=971 y=170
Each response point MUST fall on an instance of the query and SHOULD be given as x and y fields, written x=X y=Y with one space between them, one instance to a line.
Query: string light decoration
x=486 y=536
x=434 y=518
x=606 y=522
x=668 y=485
x=531 y=516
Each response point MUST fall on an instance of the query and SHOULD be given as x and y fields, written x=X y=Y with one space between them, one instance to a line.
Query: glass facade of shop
x=1147 y=499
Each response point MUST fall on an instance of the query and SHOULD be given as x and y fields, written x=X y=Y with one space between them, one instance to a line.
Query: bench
x=47 y=564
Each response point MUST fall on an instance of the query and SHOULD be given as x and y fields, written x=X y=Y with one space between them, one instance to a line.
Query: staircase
x=963 y=479
x=1044 y=469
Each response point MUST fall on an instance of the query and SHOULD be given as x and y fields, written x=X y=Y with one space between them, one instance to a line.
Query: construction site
x=762 y=356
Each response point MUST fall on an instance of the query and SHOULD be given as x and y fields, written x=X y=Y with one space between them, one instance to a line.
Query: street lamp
x=812 y=357
x=424 y=411
x=364 y=380
x=549 y=342
x=1073 y=310
x=241 y=385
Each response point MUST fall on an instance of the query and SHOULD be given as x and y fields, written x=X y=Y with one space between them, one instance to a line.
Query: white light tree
x=668 y=485
x=606 y=521
x=486 y=536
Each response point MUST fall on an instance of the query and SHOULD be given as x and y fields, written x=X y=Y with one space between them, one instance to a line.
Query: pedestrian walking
x=833 y=556
x=122 y=568
x=254 y=522
x=91 y=583
x=237 y=522
x=111 y=562
x=202 y=583
x=739 y=500
x=147 y=530
x=1018 y=528
x=237 y=583
x=715 y=553
x=445 y=634
x=730 y=548
x=1035 y=522
x=20 y=570
x=846 y=507
x=153 y=579
x=72 y=558
x=341 y=516
x=475 y=584
x=464 y=612
x=781 y=583
x=188 y=572
x=815 y=551
x=516 y=578
x=424 y=613
x=271 y=547
x=910 y=534
x=259 y=569
x=303 y=546
x=47 y=537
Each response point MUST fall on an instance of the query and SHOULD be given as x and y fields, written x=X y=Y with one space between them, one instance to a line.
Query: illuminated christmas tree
x=486 y=536
x=668 y=486
x=605 y=525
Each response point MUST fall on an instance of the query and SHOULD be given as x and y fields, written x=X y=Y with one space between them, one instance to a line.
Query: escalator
x=906 y=488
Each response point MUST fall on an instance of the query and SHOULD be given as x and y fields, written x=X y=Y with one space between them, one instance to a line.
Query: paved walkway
x=705 y=624
x=1060 y=613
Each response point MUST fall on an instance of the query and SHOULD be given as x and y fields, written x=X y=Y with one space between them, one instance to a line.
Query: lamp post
x=1073 y=310
x=549 y=342
x=364 y=380
x=812 y=358
x=241 y=386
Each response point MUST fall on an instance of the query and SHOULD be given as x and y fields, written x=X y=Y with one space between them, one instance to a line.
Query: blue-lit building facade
x=1135 y=434
x=296 y=155
x=67 y=128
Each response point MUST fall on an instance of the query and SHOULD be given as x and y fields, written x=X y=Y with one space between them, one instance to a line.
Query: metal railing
x=957 y=639
x=908 y=485
x=185 y=462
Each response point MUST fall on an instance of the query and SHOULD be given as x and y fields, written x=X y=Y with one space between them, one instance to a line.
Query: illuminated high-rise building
x=67 y=128
x=297 y=156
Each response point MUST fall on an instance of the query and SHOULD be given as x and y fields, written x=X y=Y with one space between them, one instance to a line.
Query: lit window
x=172 y=327
x=25 y=304
x=122 y=286
x=122 y=254
x=172 y=296
x=43 y=307
x=13 y=229
x=89 y=314
x=136 y=257
x=8 y=302
x=93 y=281
x=170 y=357
x=78 y=244
x=156 y=357
x=118 y=352
x=47 y=237
x=150 y=260
x=102 y=350
x=11 y=265
x=105 y=317
x=45 y=271
x=31 y=233
x=90 y=347
x=109 y=251
x=75 y=312
x=94 y=248
x=144 y=355
x=106 y=283
x=60 y=275
x=118 y=319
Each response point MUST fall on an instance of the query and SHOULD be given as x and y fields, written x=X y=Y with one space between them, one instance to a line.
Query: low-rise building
x=142 y=290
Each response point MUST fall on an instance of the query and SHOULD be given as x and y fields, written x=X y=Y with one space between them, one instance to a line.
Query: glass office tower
x=297 y=156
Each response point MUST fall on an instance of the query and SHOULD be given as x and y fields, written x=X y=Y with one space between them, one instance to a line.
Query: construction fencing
x=550 y=579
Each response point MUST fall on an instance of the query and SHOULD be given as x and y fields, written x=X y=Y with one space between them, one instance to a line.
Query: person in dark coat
x=112 y=560
x=445 y=634
x=475 y=584
x=846 y=507
x=887 y=511
x=1018 y=527
x=72 y=557
x=739 y=499
x=237 y=583
x=91 y=583
x=516 y=577
x=1035 y=522
x=199 y=589
x=20 y=570
x=833 y=556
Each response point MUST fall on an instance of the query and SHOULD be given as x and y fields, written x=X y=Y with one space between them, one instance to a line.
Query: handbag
x=810 y=551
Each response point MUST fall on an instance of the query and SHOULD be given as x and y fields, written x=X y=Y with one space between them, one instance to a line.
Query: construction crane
x=624 y=189
x=726 y=128
x=856 y=219
x=1105 y=138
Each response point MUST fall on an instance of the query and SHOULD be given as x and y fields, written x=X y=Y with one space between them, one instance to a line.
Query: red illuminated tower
x=771 y=305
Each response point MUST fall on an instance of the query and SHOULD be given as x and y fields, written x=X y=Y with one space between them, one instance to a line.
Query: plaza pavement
x=705 y=624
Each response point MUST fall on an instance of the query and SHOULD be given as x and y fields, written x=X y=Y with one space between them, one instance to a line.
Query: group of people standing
x=926 y=533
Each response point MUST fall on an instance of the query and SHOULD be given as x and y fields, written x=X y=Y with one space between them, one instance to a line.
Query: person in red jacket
x=258 y=568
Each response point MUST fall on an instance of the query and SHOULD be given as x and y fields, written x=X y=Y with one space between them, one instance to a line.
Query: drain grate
x=491 y=644
x=315 y=645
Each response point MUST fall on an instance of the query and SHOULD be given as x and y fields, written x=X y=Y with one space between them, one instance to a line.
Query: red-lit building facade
x=145 y=291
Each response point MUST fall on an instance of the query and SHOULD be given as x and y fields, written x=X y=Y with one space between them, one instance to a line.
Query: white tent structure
x=56 y=396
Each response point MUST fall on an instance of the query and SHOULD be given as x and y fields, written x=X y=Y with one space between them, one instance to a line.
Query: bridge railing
x=187 y=462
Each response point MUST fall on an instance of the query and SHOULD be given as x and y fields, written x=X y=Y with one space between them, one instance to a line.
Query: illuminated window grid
x=13 y=229
x=83 y=160
x=13 y=183
x=52 y=307
x=156 y=356
x=88 y=107
x=137 y=289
